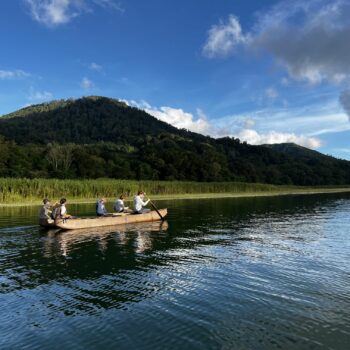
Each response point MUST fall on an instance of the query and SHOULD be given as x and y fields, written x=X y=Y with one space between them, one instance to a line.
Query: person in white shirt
x=139 y=203
x=119 y=206
x=100 y=207
x=61 y=211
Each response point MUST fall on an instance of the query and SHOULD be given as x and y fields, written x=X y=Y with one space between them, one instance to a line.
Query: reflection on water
x=228 y=273
x=59 y=242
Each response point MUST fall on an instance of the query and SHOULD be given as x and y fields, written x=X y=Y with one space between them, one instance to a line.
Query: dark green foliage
x=97 y=137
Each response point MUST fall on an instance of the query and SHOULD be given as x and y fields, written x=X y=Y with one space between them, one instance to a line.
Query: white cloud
x=140 y=105
x=311 y=120
x=223 y=38
x=176 y=117
x=109 y=4
x=56 y=12
x=201 y=115
x=255 y=138
x=13 y=74
x=86 y=83
x=180 y=119
x=249 y=123
x=39 y=95
x=291 y=124
x=96 y=67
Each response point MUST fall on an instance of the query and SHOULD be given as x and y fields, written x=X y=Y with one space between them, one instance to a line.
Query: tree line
x=165 y=159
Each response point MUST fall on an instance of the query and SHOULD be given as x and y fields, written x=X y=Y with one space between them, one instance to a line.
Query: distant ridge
x=296 y=150
x=96 y=136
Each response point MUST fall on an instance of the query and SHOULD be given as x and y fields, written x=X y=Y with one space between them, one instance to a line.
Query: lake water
x=263 y=273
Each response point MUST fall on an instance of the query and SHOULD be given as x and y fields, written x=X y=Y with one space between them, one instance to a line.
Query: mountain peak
x=84 y=120
x=55 y=104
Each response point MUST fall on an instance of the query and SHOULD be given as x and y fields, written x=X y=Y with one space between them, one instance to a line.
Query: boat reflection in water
x=139 y=235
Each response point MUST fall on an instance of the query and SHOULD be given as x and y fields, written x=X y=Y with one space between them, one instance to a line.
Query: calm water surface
x=266 y=273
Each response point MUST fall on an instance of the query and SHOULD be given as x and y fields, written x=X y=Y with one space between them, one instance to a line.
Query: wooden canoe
x=118 y=219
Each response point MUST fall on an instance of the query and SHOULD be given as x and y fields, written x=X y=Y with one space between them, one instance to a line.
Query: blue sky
x=263 y=71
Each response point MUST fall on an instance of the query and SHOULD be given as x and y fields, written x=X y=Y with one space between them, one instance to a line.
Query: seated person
x=54 y=209
x=119 y=206
x=139 y=203
x=44 y=213
x=100 y=207
x=61 y=211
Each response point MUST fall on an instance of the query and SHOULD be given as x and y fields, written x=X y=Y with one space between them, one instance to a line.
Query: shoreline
x=189 y=196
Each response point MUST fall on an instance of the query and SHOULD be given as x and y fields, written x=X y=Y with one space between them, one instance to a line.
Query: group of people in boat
x=119 y=206
x=59 y=211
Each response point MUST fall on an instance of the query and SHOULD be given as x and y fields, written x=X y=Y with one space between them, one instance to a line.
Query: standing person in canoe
x=119 y=206
x=61 y=211
x=100 y=207
x=139 y=203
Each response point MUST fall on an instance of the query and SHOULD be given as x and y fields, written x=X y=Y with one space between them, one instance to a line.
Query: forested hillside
x=97 y=137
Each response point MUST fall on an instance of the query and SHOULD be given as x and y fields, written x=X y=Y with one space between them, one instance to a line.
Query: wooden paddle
x=156 y=209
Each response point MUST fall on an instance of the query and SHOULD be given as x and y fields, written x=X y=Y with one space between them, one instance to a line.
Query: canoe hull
x=81 y=223
x=47 y=223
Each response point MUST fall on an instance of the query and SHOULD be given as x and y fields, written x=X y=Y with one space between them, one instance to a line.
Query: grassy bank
x=27 y=191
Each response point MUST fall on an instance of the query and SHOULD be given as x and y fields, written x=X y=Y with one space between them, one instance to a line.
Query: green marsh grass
x=19 y=191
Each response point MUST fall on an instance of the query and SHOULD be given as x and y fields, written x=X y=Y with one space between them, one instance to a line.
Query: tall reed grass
x=26 y=190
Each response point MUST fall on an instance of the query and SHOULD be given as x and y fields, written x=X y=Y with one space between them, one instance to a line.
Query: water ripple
x=220 y=274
